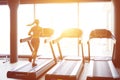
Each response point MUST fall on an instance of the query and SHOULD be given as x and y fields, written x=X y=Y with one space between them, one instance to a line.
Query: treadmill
x=67 y=68
x=26 y=71
x=101 y=68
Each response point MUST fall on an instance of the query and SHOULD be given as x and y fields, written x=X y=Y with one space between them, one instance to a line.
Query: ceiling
x=4 y=2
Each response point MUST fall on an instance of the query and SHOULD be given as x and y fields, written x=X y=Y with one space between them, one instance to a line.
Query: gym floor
x=5 y=66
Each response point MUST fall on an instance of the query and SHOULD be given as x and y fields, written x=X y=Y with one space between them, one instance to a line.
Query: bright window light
x=86 y=16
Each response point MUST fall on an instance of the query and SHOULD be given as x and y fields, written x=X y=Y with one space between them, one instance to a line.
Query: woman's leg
x=35 y=44
x=31 y=57
x=34 y=58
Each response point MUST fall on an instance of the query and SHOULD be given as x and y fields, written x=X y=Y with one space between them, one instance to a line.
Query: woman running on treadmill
x=35 y=32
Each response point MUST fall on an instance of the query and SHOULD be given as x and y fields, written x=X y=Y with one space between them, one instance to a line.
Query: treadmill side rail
x=19 y=75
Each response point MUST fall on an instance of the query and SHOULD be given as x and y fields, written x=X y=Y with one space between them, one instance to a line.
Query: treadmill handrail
x=25 y=39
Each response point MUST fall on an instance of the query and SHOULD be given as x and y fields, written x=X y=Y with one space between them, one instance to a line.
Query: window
x=97 y=16
x=4 y=30
x=59 y=16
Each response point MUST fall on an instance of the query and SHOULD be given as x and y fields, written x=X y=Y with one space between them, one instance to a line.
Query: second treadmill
x=67 y=68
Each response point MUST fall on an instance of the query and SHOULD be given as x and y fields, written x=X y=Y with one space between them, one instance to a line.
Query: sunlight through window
x=59 y=16
x=86 y=16
x=5 y=30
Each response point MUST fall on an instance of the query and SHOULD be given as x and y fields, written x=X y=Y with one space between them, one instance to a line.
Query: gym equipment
x=26 y=71
x=101 y=68
x=67 y=68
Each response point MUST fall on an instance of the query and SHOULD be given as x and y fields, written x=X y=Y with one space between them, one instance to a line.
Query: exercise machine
x=26 y=71
x=101 y=68
x=67 y=68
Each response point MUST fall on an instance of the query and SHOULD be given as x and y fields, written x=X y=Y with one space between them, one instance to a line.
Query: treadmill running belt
x=65 y=67
x=101 y=68
x=29 y=68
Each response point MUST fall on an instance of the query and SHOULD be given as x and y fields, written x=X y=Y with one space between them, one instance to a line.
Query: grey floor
x=5 y=66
